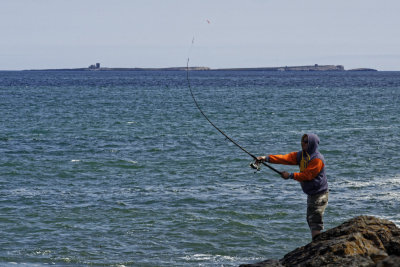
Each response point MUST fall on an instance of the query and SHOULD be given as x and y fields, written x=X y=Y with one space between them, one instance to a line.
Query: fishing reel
x=256 y=165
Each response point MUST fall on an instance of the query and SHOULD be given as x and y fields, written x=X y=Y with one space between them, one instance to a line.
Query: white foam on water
x=67 y=260
x=42 y=252
x=216 y=258
x=25 y=264
x=377 y=182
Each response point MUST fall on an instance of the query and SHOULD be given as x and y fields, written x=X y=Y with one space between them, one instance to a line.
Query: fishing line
x=255 y=164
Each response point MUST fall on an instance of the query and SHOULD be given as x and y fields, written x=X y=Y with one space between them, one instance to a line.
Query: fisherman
x=312 y=178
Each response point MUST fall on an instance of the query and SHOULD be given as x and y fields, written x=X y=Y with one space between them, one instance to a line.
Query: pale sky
x=37 y=34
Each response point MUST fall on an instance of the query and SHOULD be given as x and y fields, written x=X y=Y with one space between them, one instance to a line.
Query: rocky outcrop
x=361 y=241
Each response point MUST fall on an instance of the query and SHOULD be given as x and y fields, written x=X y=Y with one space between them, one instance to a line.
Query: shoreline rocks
x=361 y=241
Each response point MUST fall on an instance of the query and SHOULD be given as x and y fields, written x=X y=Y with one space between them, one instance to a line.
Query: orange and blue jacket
x=312 y=175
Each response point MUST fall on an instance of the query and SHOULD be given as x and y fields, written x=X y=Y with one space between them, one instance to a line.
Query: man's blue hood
x=313 y=142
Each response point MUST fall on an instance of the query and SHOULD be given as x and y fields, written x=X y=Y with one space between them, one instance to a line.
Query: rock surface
x=361 y=241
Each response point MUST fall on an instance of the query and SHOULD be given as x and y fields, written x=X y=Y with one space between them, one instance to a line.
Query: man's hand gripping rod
x=256 y=165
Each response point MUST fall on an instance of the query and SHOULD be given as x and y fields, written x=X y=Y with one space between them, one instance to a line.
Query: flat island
x=315 y=67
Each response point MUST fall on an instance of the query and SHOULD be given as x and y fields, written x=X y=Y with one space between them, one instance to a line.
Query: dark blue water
x=121 y=169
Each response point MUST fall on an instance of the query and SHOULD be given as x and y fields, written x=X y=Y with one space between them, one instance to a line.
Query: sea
x=120 y=168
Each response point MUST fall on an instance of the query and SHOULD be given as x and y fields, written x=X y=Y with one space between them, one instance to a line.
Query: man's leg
x=314 y=233
x=315 y=210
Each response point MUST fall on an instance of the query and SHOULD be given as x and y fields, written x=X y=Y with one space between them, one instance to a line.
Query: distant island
x=315 y=67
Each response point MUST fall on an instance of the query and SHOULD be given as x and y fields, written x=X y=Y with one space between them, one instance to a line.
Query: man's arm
x=314 y=167
x=288 y=159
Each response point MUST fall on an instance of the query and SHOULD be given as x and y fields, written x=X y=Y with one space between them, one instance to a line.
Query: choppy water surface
x=120 y=168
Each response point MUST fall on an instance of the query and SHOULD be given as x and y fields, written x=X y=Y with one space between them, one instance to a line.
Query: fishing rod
x=256 y=164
